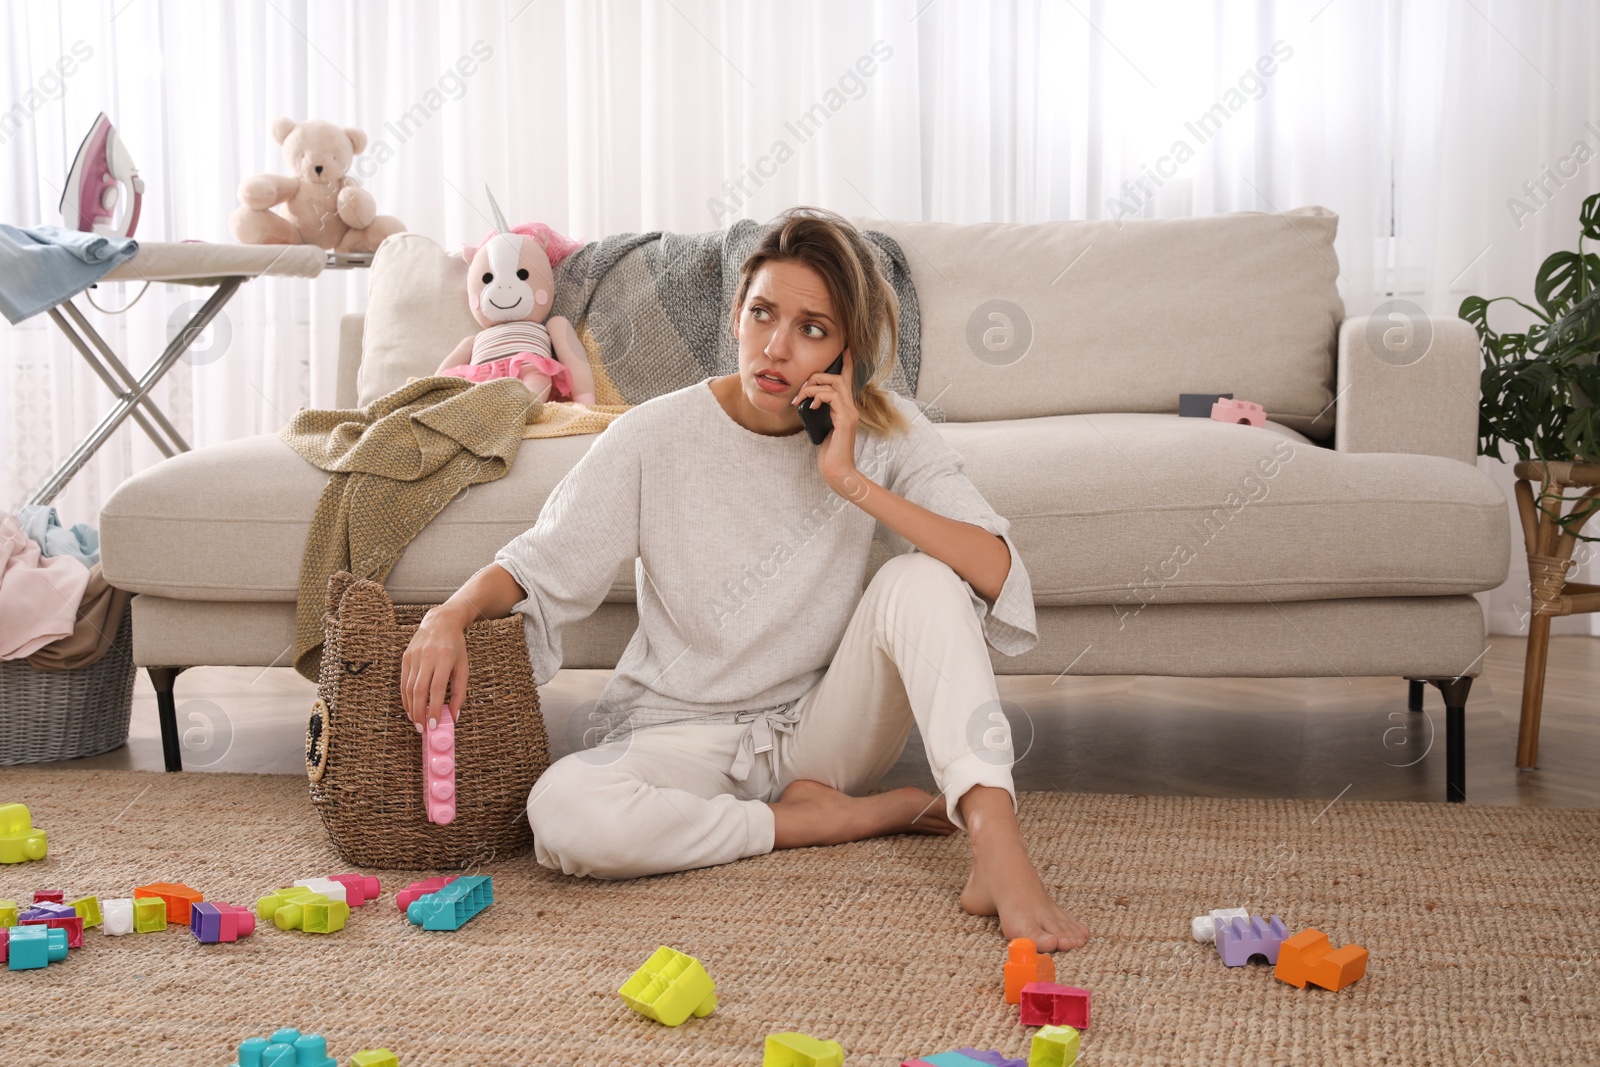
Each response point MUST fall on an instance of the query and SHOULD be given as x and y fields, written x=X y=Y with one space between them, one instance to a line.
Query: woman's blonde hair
x=863 y=300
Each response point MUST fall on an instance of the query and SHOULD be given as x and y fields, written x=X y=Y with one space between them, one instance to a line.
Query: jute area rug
x=1481 y=922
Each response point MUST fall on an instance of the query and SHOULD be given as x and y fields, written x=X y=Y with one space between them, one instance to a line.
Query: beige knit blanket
x=395 y=464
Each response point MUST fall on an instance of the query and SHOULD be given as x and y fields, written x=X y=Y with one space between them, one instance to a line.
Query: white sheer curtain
x=1416 y=121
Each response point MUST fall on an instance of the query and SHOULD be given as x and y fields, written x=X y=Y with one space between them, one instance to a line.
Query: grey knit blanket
x=658 y=306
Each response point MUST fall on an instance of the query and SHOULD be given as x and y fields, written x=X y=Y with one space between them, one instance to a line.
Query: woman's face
x=786 y=328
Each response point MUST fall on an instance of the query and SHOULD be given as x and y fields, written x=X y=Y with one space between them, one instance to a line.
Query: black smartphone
x=818 y=419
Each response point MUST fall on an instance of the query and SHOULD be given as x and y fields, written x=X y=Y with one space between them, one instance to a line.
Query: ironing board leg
x=89 y=358
x=129 y=401
x=122 y=372
x=163 y=679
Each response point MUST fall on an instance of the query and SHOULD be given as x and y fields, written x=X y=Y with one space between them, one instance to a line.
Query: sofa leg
x=1417 y=686
x=1454 y=691
x=163 y=678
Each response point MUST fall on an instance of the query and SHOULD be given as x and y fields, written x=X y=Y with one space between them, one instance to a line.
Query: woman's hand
x=434 y=661
x=836 y=456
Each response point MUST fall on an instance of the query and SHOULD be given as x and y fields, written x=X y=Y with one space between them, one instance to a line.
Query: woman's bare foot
x=1003 y=882
x=810 y=813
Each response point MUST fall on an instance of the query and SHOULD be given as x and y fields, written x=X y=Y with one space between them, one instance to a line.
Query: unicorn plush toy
x=510 y=286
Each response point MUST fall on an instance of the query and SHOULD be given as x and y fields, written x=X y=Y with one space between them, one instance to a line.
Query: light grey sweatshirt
x=747 y=565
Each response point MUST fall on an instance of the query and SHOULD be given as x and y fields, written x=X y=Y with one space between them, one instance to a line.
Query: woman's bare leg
x=1003 y=881
x=810 y=813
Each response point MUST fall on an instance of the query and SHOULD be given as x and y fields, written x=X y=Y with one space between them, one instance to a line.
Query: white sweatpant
x=663 y=798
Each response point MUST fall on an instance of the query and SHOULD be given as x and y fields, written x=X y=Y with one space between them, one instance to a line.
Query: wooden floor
x=1332 y=738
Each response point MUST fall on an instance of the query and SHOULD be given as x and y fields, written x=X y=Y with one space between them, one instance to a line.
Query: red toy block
x=1024 y=964
x=1048 y=1004
x=1309 y=957
x=358 y=888
x=178 y=896
x=439 y=769
x=73 y=926
x=1238 y=411
x=420 y=889
x=54 y=896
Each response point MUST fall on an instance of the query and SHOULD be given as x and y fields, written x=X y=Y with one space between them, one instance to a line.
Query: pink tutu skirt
x=513 y=366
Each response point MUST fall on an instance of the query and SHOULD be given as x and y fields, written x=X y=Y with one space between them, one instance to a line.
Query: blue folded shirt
x=42 y=266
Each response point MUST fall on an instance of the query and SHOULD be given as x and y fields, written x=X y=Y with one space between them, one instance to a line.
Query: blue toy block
x=1238 y=939
x=287 y=1047
x=943 y=1059
x=32 y=947
x=451 y=907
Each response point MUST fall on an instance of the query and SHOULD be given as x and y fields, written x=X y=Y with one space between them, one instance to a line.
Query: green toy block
x=453 y=906
x=88 y=909
x=149 y=915
x=793 y=1049
x=299 y=908
x=1054 y=1046
x=374 y=1057
x=8 y=913
x=20 y=840
x=670 y=987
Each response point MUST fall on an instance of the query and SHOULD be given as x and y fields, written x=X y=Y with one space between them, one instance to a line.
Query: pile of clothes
x=56 y=609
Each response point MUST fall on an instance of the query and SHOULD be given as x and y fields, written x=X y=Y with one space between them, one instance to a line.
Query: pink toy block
x=1239 y=939
x=215 y=921
x=358 y=888
x=411 y=892
x=1048 y=1004
x=439 y=769
x=5 y=943
x=54 y=896
x=1238 y=411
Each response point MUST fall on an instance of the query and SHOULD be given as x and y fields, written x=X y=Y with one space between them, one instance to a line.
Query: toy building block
x=1054 y=1046
x=55 y=917
x=439 y=769
x=670 y=987
x=32 y=947
x=178 y=896
x=454 y=906
x=48 y=896
x=1024 y=964
x=964 y=1057
x=287 y=1047
x=88 y=909
x=327 y=887
x=212 y=922
x=991 y=1058
x=374 y=1057
x=8 y=913
x=792 y=1049
x=20 y=840
x=1308 y=957
x=358 y=888
x=119 y=917
x=1204 y=927
x=149 y=915
x=1048 y=1004
x=5 y=943
x=1239 y=939
x=411 y=892
x=1238 y=411
x=299 y=908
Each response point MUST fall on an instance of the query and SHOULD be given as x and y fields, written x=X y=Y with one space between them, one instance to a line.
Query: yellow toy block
x=299 y=908
x=8 y=913
x=670 y=987
x=791 y=1049
x=374 y=1057
x=88 y=909
x=20 y=840
x=149 y=915
x=1054 y=1046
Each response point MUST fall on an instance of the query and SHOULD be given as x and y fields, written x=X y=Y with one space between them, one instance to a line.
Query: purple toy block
x=991 y=1057
x=1238 y=940
x=47 y=910
x=1049 y=1004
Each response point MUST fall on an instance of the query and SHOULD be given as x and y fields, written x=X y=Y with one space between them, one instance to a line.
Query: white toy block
x=1204 y=927
x=117 y=916
x=327 y=887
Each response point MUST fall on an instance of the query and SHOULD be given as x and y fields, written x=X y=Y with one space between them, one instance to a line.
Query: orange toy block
x=1024 y=964
x=1308 y=957
x=178 y=896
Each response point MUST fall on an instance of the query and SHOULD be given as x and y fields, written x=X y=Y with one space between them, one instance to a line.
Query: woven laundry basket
x=55 y=715
x=364 y=757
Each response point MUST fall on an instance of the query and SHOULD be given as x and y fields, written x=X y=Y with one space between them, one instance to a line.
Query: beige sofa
x=1346 y=537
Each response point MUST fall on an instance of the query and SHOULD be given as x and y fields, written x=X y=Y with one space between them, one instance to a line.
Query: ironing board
x=221 y=267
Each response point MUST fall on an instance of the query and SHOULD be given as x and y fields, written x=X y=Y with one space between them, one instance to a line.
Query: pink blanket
x=38 y=596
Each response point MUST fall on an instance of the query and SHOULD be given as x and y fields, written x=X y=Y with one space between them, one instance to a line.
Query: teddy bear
x=510 y=287
x=324 y=206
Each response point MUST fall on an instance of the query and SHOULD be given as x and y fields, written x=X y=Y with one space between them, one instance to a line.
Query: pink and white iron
x=94 y=185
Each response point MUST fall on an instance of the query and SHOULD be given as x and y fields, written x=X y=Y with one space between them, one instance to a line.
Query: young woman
x=764 y=690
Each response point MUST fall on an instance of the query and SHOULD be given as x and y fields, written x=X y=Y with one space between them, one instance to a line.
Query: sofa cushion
x=1068 y=318
x=416 y=314
x=1118 y=509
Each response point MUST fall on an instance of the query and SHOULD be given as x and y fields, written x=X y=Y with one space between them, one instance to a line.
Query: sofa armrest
x=1428 y=407
x=344 y=385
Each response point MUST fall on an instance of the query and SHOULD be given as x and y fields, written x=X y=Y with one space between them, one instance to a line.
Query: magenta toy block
x=439 y=769
x=1048 y=1004
x=73 y=927
x=411 y=892
x=212 y=922
x=5 y=942
x=1239 y=939
x=1238 y=411
x=54 y=896
x=992 y=1058
x=358 y=888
